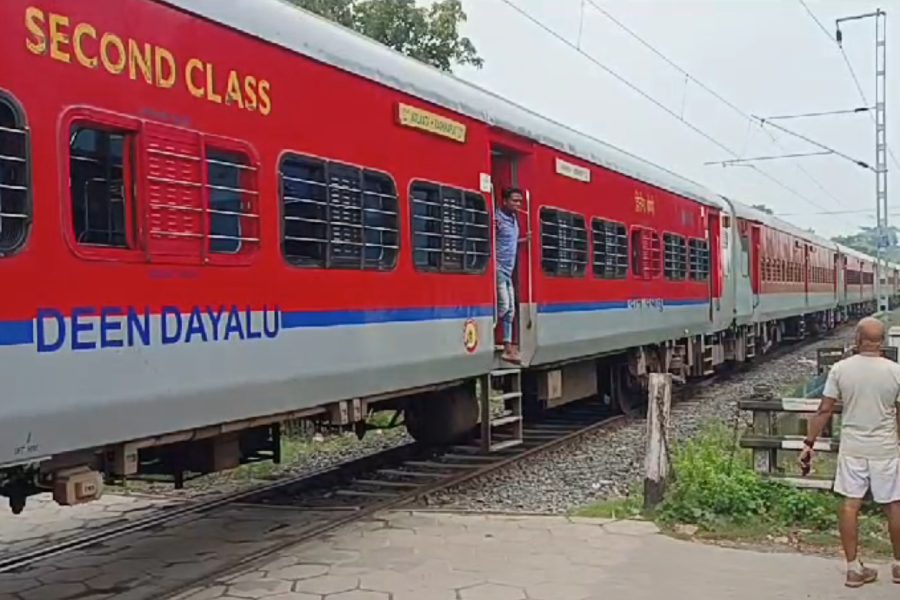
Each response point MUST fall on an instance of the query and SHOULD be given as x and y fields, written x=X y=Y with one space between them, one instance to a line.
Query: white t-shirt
x=869 y=388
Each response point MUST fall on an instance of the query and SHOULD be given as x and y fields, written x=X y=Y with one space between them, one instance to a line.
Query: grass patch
x=716 y=495
x=622 y=508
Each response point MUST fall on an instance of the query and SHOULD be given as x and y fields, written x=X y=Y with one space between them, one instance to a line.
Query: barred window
x=15 y=213
x=231 y=188
x=451 y=229
x=101 y=180
x=645 y=253
x=563 y=243
x=675 y=260
x=610 y=249
x=337 y=216
x=698 y=257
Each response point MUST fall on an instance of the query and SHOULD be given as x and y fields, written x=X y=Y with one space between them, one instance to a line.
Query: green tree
x=429 y=34
x=866 y=240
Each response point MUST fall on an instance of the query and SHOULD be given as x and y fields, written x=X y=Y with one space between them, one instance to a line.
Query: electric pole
x=881 y=198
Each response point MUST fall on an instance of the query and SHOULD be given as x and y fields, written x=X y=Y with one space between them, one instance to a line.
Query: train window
x=101 y=185
x=610 y=249
x=698 y=257
x=15 y=214
x=675 y=260
x=645 y=253
x=338 y=216
x=231 y=187
x=451 y=229
x=563 y=243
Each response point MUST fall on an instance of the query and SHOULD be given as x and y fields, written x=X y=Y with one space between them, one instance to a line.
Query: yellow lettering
x=139 y=60
x=193 y=65
x=34 y=21
x=58 y=38
x=250 y=92
x=211 y=94
x=164 y=58
x=265 y=103
x=61 y=37
x=234 y=90
x=115 y=67
x=81 y=30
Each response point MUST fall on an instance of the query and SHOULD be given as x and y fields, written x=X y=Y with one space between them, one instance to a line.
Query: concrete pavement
x=432 y=556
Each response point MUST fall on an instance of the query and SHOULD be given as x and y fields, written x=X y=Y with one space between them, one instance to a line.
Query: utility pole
x=881 y=198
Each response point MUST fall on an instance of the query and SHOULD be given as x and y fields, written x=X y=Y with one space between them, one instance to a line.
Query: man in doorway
x=507 y=223
x=868 y=385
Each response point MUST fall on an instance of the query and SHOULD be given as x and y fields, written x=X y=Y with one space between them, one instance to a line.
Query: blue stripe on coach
x=16 y=333
x=293 y=320
x=564 y=307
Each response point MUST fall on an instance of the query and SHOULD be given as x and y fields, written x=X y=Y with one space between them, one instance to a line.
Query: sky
x=765 y=57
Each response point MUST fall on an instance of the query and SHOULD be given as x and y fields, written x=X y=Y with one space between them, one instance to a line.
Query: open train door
x=509 y=159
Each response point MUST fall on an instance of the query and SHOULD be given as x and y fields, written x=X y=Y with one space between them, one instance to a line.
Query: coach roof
x=745 y=211
x=287 y=26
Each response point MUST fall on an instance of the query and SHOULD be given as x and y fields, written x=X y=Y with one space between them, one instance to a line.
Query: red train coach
x=226 y=215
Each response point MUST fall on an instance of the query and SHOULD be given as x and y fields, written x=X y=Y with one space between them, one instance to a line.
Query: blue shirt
x=507 y=241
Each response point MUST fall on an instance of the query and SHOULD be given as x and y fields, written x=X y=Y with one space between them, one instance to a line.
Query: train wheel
x=442 y=417
x=628 y=394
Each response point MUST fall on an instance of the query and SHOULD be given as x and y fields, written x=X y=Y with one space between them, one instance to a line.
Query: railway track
x=386 y=479
x=359 y=488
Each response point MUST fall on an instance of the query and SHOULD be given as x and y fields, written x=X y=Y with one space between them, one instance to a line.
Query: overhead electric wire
x=769 y=157
x=826 y=113
x=829 y=212
x=813 y=16
x=710 y=91
x=653 y=100
x=809 y=140
x=856 y=83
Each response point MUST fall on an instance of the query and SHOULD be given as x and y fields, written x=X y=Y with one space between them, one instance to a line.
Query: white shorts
x=855 y=475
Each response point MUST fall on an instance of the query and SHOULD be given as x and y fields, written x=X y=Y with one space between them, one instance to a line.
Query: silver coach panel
x=777 y=306
x=565 y=335
x=731 y=308
x=855 y=295
x=120 y=394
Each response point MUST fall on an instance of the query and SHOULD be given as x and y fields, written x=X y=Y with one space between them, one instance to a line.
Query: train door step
x=503 y=430
x=751 y=345
x=707 y=355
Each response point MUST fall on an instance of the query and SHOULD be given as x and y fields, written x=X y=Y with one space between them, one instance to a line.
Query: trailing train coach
x=216 y=217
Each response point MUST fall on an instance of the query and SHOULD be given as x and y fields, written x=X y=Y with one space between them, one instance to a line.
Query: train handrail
x=530 y=249
x=495 y=318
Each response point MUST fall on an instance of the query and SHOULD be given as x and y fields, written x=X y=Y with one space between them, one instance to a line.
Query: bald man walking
x=868 y=385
